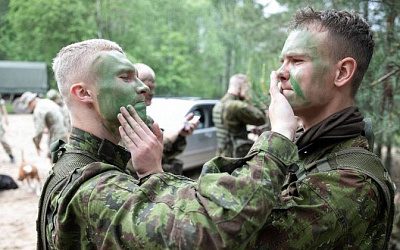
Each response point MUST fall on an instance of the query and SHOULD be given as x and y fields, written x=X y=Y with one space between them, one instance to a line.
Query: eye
x=126 y=77
x=297 y=60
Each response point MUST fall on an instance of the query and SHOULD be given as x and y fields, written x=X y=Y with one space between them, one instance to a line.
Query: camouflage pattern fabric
x=101 y=207
x=395 y=239
x=340 y=209
x=55 y=122
x=171 y=149
x=230 y=117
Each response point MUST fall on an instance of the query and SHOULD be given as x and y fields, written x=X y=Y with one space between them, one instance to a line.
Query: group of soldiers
x=310 y=182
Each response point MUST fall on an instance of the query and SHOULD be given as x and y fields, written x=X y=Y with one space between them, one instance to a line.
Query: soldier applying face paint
x=337 y=194
x=91 y=201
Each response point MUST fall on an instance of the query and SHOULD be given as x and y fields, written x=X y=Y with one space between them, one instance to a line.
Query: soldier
x=89 y=201
x=53 y=95
x=46 y=115
x=231 y=115
x=175 y=141
x=337 y=195
x=4 y=121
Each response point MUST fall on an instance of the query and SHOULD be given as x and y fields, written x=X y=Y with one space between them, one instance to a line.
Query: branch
x=383 y=78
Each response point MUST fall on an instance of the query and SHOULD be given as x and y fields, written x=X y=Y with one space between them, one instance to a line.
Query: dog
x=29 y=174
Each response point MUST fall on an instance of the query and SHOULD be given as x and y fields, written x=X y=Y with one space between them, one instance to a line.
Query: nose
x=283 y=73
x=141 y=88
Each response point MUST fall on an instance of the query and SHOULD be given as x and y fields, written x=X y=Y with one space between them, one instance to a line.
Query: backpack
x=353 y=158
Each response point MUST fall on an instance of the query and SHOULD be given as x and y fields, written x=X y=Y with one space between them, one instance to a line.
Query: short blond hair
x=71 y=65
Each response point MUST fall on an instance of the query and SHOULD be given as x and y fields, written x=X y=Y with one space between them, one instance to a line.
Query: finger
x=131 y=136
x=157 y=132
x=133 y=119
x=189 y=116
x=273 y=86
x=126 y=140
x=138 y=120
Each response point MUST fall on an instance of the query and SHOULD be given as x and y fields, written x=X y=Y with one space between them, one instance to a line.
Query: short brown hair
x=350 y=34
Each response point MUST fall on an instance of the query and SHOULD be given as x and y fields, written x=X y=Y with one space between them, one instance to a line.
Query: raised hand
x=280 y=112
x=145 y=145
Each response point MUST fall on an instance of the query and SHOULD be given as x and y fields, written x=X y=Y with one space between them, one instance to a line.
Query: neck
x=314 y=115
x=91 y=122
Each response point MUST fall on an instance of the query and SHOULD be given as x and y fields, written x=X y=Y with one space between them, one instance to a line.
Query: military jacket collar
x=102 y=149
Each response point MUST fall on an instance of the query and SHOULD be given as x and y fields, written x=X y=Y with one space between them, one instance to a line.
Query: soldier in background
x=53 y=95
x=3 y=123
x=174 y=141
x=46 y=115
x=232 y=114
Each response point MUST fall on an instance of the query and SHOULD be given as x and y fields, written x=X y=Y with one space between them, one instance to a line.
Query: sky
x=271 y=7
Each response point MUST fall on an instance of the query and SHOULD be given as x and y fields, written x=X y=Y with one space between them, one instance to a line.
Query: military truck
x=16 y=77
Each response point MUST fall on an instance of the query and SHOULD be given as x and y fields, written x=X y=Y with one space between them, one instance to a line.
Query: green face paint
x=306 y=63
x=117 y=86
x=296 y=86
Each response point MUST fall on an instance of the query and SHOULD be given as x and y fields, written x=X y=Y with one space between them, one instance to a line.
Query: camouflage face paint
x=306 y=63
x=296 y=86
x=117 y=86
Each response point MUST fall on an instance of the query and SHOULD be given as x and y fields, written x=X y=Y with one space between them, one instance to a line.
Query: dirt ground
x=18 y=207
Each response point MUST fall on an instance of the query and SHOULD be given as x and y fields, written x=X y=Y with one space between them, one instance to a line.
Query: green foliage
x=195 y=46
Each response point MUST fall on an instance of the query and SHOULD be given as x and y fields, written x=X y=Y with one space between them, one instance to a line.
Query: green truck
x=16 y=77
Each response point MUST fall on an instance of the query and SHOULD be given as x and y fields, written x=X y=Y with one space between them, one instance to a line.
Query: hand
x=282 y=118
x=145 y=145
x=190 y=125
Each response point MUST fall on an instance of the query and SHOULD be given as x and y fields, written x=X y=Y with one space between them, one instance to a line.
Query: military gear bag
x=354 y=158
x=73 y=160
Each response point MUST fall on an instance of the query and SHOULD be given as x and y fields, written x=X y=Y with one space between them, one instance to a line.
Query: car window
x=200 y=112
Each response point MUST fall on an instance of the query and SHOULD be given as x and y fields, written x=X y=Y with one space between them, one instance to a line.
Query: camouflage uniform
x=171 y=149
x=339 y=209
x=230 y=117
x=395 y=240
x=169 y=161
x=100 y=206
x=3 y=140
x=48 y=114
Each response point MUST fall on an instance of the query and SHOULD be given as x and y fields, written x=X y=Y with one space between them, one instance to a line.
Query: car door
x=202 y=144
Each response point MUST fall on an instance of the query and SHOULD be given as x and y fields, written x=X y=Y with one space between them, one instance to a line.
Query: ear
x=81 y=92
x=345 y=71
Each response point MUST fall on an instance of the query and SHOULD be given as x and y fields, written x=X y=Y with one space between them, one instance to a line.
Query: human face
x=148 y=96
x=117 y=86
x=307 y=70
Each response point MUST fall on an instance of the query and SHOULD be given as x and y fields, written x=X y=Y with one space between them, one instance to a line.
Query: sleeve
x=173 y=148
x=246 y=113
x=221 y=210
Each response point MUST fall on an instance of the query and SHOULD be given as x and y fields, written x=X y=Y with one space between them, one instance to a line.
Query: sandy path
x=18 y=207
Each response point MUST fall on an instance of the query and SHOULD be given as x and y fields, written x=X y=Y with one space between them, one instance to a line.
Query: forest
x=195 y=46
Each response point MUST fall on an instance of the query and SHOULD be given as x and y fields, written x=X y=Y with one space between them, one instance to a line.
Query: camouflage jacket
x=230 y=117
x=47 y=114
x=395 y=240
x=100 y=206
x=338 y=209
